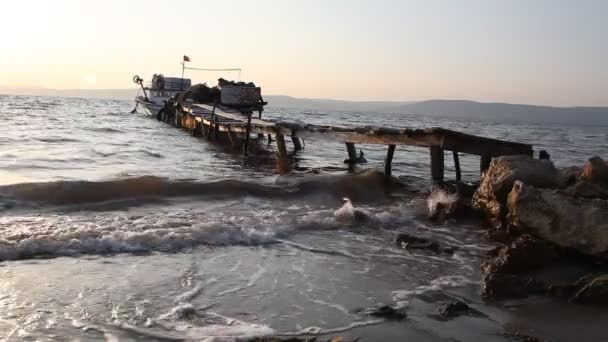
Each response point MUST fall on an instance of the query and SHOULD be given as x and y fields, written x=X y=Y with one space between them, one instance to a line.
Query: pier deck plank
x=442 y=138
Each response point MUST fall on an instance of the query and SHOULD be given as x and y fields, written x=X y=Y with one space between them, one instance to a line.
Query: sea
x=117 y=227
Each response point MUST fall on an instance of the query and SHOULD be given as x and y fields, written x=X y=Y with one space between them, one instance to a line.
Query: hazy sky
x=530 y=51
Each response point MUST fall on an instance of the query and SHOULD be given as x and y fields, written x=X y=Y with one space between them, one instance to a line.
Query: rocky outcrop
x=577 y=223
x=498 y=180
x=553 y=220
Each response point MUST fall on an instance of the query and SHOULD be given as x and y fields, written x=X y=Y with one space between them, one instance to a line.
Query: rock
x=387 y=312
x=584 y=189
x=569 y=175
x=411 y=242
x=504 y=286
x=525 y=254
x=595 y=291
x=497 y=182
x=508 y=272
x=577 y=223
x=457 y=308
x=595 y=171
x=589 y=182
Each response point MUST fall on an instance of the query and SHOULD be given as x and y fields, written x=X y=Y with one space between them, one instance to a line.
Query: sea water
x=114 y=226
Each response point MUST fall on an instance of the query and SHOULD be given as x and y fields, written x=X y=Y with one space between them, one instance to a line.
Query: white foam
x=401 y=297
x=24 y=237
x=440 y=197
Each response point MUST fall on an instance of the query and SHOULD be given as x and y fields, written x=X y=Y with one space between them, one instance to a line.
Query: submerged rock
x=411 y=242
x=577 y=223
x=386 y=312
x=497 y=182
x=457 y=308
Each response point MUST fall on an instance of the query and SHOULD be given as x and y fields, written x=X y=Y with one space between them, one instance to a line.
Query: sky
x=546 y=52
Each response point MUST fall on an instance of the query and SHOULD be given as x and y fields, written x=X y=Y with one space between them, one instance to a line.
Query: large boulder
x=509 y=270
x=577 y=223
x=497 y=182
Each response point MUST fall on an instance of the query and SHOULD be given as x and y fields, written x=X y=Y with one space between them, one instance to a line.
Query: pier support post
x=283 y=162
x=388 y=162
x=437 y=163
x=260 y=135
x=484 y=163
x=352 y=153
x=297 y=145
x=247 y=133
x=457 y=166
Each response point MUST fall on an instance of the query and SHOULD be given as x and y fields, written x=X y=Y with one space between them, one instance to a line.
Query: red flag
x=186 y=58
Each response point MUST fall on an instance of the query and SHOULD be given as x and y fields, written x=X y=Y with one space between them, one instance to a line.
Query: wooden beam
x=437 y=163
x=389 y=161
x=457 y=166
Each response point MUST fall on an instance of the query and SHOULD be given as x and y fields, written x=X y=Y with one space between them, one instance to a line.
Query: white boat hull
x=149 y=108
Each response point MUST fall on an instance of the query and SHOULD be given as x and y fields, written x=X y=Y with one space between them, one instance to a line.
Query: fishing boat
x=158 y=91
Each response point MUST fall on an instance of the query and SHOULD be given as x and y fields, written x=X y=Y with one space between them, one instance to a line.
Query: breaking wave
x=367 y=186
x=29 y=237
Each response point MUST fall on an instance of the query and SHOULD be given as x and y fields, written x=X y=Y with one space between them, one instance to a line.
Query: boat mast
x=186 y=59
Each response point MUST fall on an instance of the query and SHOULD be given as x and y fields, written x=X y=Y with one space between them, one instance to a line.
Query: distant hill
x=506 y=111
x=441 y=108
x=329 y=104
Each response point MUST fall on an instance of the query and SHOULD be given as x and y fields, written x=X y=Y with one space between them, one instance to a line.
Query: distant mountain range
x=442 y=108
x=455 y=108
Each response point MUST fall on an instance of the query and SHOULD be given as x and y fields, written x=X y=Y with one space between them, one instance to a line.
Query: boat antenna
x=187 y=59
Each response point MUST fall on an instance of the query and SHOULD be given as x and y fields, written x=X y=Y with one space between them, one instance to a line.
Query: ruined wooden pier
x=211 y=121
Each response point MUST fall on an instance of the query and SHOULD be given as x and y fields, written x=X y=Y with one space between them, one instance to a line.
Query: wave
x=105 y=130
x=93 y=239
x=366 y=186
x=56 y=139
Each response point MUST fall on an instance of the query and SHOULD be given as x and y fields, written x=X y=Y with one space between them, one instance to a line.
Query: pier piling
x=457 y=166
x=437 y=163
x=352 y=153
x=484 y=162
x=215 y=119
x=388 y=162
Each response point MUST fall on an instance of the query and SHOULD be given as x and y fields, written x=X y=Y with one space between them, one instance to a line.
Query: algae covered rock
x=498 y=180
